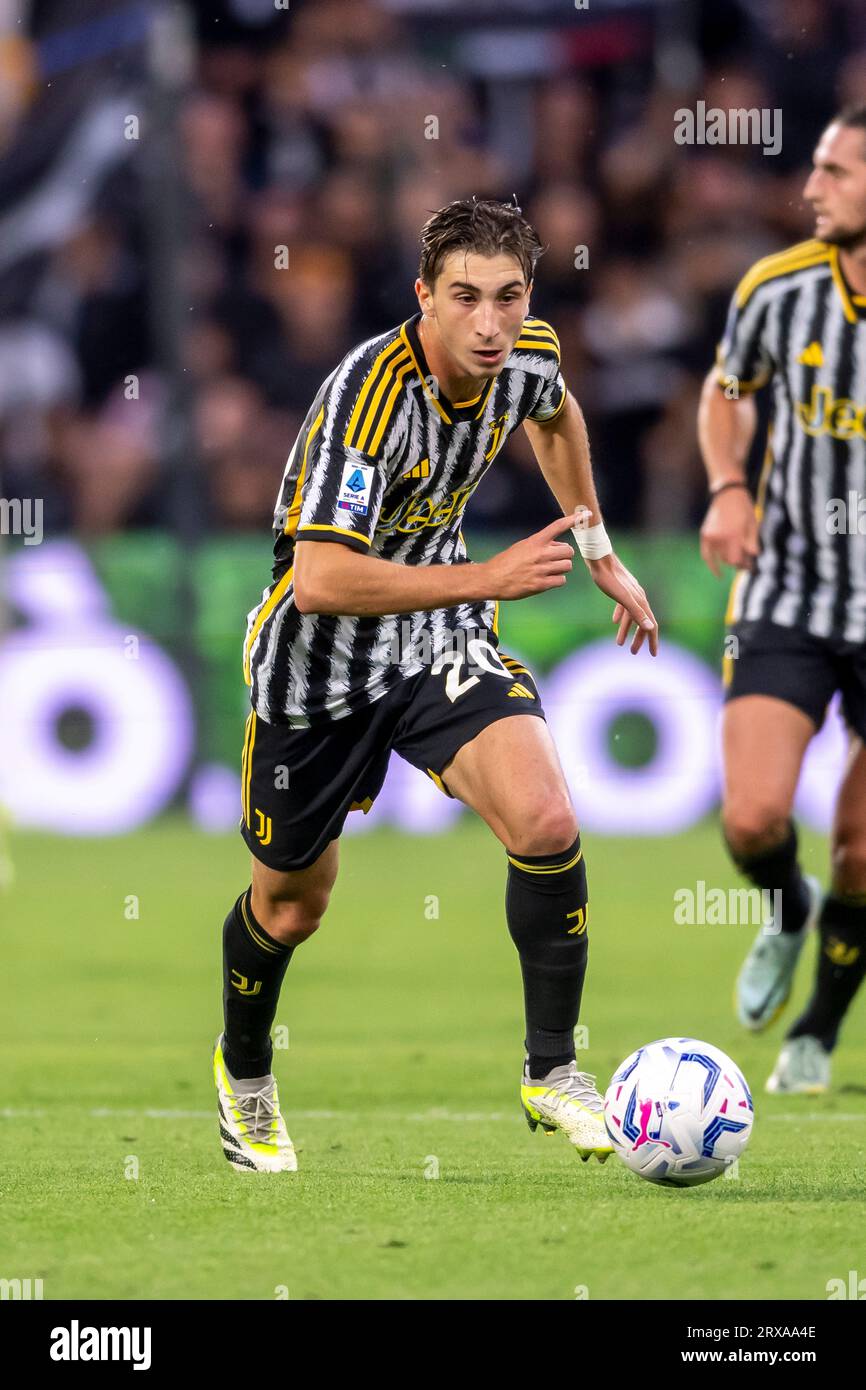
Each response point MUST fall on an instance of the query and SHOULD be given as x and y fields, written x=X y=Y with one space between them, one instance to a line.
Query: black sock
x=546 y=910
x=840 y=969
x=253 y=969
x=777 y=869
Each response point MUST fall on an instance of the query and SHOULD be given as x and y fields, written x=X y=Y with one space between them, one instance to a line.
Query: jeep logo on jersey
x=414 y=514
x=841 y=417
x=355 y=487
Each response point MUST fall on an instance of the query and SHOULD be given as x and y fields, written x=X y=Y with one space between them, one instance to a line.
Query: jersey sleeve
x=538 y=351
x=343 y=494
x=742 y=355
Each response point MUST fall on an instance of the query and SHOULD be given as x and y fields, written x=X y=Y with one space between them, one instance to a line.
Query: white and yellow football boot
x=252 y=1130
x=567 y=1099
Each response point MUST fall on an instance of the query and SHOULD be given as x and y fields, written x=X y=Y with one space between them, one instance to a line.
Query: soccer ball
x=678 y=1112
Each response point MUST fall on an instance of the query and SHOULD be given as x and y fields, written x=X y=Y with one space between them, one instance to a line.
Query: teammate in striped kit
x=798 y=608
x=378 y=634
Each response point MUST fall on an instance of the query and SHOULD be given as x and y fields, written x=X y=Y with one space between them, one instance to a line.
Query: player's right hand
x=729 y=534
x=529 y=567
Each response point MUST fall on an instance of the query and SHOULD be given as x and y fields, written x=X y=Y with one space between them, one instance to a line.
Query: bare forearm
x=726 y=429
x=562 y=451
x=332 y=578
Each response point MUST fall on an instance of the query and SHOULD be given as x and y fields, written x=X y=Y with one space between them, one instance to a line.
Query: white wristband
x=593 y=542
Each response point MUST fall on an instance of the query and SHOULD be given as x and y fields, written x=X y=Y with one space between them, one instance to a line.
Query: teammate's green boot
x=767 y=975
x=802 y=1069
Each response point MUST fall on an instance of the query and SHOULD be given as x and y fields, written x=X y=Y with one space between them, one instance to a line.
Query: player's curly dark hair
x=481 y=225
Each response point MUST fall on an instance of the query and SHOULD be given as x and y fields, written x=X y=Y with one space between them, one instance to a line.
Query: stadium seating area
x=331 y=130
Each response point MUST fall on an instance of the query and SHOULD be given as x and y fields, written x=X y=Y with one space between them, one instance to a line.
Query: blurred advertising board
x=122 y=694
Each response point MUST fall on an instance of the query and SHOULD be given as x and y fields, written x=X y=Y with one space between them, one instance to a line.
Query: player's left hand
x=632 y=605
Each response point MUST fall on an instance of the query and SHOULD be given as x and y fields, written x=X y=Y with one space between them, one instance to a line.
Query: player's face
x=477 y=305
x=837 y=186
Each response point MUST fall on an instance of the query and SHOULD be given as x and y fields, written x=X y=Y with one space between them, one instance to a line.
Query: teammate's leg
x=261 y=933
x=510 y=774
x=841 y=961
x=764 y=743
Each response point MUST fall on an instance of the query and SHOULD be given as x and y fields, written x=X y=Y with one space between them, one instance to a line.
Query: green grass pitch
x=404 y=1057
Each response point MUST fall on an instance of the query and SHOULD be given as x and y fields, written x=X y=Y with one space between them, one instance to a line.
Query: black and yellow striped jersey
x=794 y=323
x=384 y=463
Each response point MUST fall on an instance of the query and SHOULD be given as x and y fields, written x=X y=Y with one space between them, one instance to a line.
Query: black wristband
x=714 y=491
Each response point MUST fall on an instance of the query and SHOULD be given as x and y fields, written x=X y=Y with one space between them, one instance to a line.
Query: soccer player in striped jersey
x=378 y=634
x=797 y=612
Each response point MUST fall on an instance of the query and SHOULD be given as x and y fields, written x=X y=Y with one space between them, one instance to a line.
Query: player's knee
x=552 y=829
x=754 y=827
x=293 y=920
x=848 y=858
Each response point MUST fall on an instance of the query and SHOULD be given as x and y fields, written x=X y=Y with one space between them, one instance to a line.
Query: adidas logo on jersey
x=421 y=470
x=811 y=356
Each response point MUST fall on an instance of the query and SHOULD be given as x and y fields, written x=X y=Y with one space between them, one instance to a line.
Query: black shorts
x=298 y=785
x=794 y=666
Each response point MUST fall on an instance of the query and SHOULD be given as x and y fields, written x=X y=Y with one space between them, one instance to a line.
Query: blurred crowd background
x=332 y=128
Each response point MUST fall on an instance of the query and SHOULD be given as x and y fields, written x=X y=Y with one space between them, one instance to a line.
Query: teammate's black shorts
x=298 y=785
x=803 y=670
